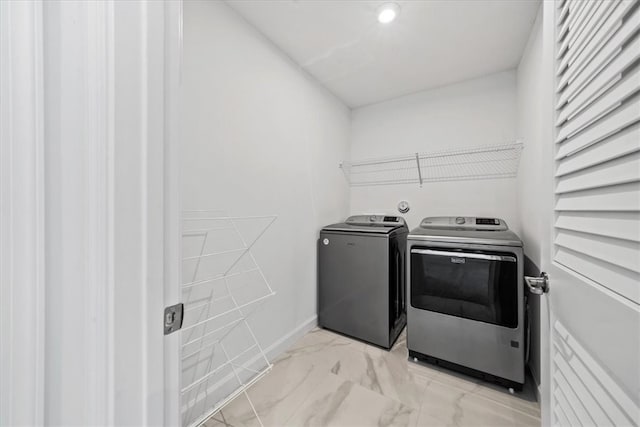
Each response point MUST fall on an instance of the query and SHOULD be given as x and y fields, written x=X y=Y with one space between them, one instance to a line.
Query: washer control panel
x=380 y=220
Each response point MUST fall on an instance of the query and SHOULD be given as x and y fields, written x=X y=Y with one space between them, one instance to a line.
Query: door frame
x=547 y=172
x=172 y=205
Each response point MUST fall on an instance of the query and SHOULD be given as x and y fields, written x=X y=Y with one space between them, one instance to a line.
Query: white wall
x=260 y=138
x=471 y=113
x=530 y=191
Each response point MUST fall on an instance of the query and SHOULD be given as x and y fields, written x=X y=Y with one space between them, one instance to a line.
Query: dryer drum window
x=474 y=285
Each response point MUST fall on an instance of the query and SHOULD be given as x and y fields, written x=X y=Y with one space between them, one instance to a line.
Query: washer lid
x=377 y=224
x=483 y=231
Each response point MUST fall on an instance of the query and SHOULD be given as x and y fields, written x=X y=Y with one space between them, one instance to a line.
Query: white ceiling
x=431 y=43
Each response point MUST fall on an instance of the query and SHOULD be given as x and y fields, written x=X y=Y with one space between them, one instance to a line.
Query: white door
x=592 y=375
x=84 y=125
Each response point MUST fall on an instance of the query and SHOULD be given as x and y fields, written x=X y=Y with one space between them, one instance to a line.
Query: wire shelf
x=487 y=162
x=222 y=285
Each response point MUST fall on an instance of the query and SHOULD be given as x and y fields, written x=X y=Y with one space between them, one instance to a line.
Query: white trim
x=547 y=220
x=39 y=220
x=22 y=244
x=153 y=186
x=110 y=212
x=80 y=212
x=138 y=227
x=172 y=203
x=98 y=217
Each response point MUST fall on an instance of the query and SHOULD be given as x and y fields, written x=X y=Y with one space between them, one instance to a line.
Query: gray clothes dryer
x=361 y=278
x=466 y=297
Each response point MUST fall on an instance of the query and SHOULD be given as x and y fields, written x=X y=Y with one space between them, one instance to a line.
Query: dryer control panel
x=464 y=223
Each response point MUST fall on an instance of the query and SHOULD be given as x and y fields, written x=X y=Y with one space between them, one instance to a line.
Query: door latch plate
x=173 y=318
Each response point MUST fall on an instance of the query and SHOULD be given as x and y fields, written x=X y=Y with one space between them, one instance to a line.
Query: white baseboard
x=284 y=343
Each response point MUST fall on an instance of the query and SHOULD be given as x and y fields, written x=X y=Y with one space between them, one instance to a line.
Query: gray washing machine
x=466 y=297
x=361 y=278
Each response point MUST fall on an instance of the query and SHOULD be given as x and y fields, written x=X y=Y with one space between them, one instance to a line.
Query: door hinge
x=173 y=318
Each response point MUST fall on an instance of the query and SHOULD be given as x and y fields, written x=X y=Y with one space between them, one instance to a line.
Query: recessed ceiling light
x=388 y=12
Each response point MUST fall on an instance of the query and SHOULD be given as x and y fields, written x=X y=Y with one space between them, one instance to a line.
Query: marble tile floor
x=327 y=379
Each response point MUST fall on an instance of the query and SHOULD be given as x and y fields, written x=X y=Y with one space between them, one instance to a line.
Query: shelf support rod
x=419 y=171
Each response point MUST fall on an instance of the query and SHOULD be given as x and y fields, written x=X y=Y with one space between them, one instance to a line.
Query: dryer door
x=476 y=285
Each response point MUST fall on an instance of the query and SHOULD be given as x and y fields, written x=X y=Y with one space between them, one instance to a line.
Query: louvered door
x=594 y=256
